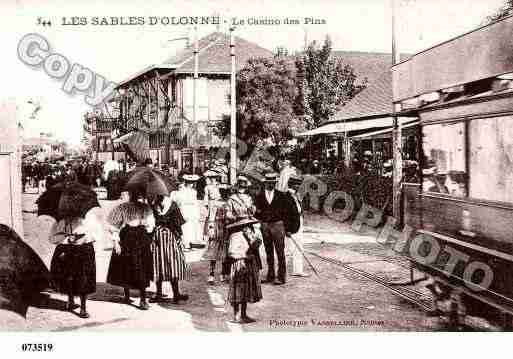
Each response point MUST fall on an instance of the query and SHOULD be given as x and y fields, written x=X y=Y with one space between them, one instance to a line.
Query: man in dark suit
x=272 y=209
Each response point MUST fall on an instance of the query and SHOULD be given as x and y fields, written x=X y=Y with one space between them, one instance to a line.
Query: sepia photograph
x=196 y=167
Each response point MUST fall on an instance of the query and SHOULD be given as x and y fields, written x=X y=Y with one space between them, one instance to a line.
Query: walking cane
x=305 y=257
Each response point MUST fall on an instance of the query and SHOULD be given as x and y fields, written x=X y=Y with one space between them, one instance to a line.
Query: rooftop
x=374 y=100
x=214 y=54
x=367 y=65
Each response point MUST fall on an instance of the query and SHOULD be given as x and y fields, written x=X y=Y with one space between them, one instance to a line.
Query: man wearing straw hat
x=272 y=210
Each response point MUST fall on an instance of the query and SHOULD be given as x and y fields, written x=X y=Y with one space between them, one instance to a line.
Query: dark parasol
x=67 y=199
x=22 y=273
x=150 y=182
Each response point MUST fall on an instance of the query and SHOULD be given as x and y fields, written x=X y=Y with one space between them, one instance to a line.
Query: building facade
x=167 y=115
x=10 y=168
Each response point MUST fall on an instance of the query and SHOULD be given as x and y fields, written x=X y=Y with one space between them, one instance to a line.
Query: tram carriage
x=462 y=211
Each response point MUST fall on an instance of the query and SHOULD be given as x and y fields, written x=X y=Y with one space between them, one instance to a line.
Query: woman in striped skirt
x=168 y=254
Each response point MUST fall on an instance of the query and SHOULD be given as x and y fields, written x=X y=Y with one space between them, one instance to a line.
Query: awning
x=137 y=143
x=385 y=131
x=123 y=138
x=347 y=126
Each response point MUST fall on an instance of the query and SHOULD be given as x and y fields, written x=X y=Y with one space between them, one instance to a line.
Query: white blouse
x=79 y=231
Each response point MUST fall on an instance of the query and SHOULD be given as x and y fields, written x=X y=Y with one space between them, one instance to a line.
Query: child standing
x=244 y=279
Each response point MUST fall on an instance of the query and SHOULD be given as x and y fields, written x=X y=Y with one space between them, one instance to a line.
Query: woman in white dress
x=187 y=200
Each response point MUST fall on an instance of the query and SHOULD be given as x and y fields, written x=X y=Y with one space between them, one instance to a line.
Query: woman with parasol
x=214 y=227
x=245 y=286
x=73 y=265
x=142 y=183
x=131 y=264
x=168 y=255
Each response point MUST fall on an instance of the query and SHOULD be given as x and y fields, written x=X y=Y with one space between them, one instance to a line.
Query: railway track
x=411 y=295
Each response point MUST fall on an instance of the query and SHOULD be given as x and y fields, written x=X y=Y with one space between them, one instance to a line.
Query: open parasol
x=22 y=273
x=69 y=199
x=123 y=213
x=150 y=182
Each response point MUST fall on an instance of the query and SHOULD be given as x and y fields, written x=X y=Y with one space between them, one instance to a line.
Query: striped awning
x=347 y=126
x=137 y=143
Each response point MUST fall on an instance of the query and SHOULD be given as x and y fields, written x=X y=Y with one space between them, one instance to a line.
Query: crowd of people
x=151 y=234
x=44 y=174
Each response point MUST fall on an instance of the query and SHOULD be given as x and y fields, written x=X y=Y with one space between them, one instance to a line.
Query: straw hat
x=270 y=177
x=242 y=222
x=211 y=173
x=191 y=178
x=243 y=179
x=295 y=181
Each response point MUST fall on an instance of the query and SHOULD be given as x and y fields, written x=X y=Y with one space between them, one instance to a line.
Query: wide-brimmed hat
x=295 y=181
x=430 y=168
x=190 y=178
x=243 y=179
x=242 y=222
x=270 y=177
x=211 y=173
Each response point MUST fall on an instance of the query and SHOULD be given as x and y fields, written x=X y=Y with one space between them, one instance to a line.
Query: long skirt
x=133 y=267
x=217 y=249
x=244 y=282
x=73 y=269
x=114 y=185
x=168 y=257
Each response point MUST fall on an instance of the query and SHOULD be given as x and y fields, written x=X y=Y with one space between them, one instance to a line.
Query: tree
x=327 y=85
x=266 y=93
x=504 y=11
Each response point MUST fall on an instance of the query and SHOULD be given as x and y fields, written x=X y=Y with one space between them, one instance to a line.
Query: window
x=444 y=168
x=491 y=159
x=473 y=158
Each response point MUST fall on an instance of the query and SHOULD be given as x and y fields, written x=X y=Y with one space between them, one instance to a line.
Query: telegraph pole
x=397 y=131
x=233 y=114
x=195 y=95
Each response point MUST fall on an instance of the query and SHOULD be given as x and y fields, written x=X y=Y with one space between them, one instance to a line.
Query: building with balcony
x=156 y=105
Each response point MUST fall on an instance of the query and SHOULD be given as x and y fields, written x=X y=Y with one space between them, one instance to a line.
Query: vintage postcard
x=270 y=166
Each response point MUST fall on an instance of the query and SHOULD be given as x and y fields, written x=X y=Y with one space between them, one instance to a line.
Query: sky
x=116 y=52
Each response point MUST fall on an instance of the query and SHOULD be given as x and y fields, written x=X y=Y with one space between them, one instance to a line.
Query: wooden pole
x=195 y=94
x=233 y=113
x=396 y=133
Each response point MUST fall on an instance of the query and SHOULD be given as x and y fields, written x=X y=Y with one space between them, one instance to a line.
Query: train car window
x=444 y=168
x=491 y=159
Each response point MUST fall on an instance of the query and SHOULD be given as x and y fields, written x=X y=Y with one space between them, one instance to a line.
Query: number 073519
x=37 y=347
